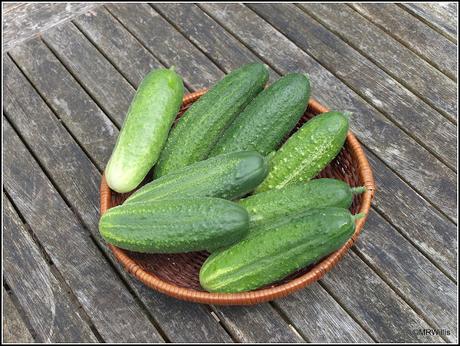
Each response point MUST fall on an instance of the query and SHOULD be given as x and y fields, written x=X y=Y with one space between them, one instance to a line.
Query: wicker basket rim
x=262 y=295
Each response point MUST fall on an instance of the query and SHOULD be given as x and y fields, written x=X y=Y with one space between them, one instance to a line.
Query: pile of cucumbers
x=224 y=183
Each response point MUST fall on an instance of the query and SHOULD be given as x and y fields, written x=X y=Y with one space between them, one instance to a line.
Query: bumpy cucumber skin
x=268 y=117
x=198 y=130
x=307 y=152
x=174 y=225
x=271 y=255
x=145 y=129
x=317 y=193
x=226 y=176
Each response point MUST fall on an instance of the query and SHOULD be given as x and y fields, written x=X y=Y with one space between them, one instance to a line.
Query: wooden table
x=68 y=82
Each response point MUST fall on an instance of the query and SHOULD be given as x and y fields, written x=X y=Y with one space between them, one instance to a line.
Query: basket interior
x=182 y=269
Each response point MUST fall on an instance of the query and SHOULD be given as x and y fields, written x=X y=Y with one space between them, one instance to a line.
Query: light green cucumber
x=145 y=129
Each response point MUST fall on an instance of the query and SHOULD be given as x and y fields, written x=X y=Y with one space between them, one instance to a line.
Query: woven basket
x=177 y=274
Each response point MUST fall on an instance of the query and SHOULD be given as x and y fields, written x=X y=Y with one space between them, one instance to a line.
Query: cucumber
x=174 y=225
x=200 y=127
x=145 y=129
x=268 y=118
x=317 y=193
x=226 y=176
x=307 y=152
x=271 y=255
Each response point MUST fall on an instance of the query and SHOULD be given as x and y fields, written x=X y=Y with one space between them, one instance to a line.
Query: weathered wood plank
x=14 y=328
x=8 y=6
x=429 y=231
x=405 y=208
x=180 y=15
x=273 y=47
x=429 y=176
x=49 y=309
x=185 y=16
x=369 y=81
x=419 y=37
x=402 y=64
x=257 y=324
x=82 y=192
x=373 y=130
x=412 y=274
x=85 y=269
x=441 y=16
x=386 y=316
x=320 y=318
x=169 y=46
x=168 y=59
x=132 y=59
x=28 y=20
x=82 y=59
x=431 y=127
x=81 y=115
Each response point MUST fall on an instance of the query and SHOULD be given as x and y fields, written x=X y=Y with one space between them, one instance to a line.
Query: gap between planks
x=429 y=103
x=384 y=163
x=427 y=22
x=66 y=129
x=82 y=224
x=389 y=222
x=52 y=268
x=401 y=41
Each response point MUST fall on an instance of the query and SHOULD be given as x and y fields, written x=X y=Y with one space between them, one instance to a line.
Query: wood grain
x=385 y=316
x=48 y=307
x=28 y=20
x=441 y=15
x=414 y=34
x=370 y=82
x=169 y=46
x=132 y=59
x=14 y=327
x=320 y=318
x=81 y=115
x=271 y=318
x=405 y=156
x=65 y=161
x=85 y=269
x=257 y=324
x=81 y=58
x=428 y=290
x=183 y=16
x=415 y=218
x=399 y=62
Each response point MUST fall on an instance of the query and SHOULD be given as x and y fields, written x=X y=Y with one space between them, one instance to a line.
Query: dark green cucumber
x=174 y=225
x=308 y=151
x=268 y=118
x=271 y=255
x=145 y=129
x=226 y=176
x=200 y=127
x=317 y=193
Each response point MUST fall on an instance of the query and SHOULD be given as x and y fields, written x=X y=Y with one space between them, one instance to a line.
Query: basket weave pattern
x=177 y=274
